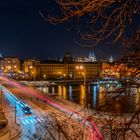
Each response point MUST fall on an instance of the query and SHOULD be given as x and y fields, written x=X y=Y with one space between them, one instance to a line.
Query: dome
x=67 y=57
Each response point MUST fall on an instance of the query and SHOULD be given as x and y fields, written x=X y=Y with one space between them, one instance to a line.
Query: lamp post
x=33 y=74
x=30 y=67
x=15 y=112
x=84 y=74
x=44 y=79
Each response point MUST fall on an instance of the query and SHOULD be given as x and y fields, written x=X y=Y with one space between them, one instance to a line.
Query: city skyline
x=69 y=69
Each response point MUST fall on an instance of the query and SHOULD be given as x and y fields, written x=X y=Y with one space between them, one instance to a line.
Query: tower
x=111 y=59
x=92 y=57
x=0 y=56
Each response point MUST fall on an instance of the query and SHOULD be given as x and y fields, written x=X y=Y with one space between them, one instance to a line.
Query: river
x=99 y=96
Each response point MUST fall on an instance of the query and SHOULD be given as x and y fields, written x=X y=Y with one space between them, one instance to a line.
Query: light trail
x=94 y=133
x=16 y=102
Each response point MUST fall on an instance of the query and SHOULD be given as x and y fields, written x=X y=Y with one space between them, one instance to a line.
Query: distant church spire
x=0 y=55
x=111 y=59
x=92 y=57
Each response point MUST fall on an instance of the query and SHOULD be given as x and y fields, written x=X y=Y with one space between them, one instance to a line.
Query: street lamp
x=30 y=67
x=15 y=112
x=44 y=76
x=82 y=68
x=44 y=79
x=33 y=74
x=84 y=74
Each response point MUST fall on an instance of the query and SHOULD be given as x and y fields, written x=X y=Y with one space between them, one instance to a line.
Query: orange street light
x=84 y=73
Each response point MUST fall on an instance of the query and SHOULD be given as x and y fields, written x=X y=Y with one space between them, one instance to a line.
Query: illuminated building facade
x=111 y=59
x=66 y=69
x=1 y=63
x=92 y=57
x=11 y=65
x=29 y=68
x=61 y=70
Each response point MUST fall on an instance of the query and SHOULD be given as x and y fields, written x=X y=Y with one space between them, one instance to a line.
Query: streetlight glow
x=81 y=67
x=77 y=67
x=30 y=67
x=83 y=73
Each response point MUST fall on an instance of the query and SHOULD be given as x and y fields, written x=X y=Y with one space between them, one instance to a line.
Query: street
x=45 y=122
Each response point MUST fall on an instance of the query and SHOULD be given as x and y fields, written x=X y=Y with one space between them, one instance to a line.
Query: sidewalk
x=15 y=128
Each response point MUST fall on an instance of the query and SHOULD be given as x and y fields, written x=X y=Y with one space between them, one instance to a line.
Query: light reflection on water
x=64 y=93
x=97 y=97
x=82 y=95
x=94 y=95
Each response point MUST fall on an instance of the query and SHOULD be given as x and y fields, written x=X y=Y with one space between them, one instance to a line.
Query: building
x=0 y=55
x=91 y=69
x=67 y=69
x=60 y=70
x=11 y=66
x=111 y=59
x=1 y=66
x=29 y=68
x=92 y=57
x=1 y=63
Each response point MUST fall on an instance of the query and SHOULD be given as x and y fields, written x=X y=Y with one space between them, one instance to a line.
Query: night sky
x=24 y=33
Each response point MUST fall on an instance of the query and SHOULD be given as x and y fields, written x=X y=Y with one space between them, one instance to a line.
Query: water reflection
x=99 y=96
x=70 y=93
x=60 y=91
x=53 y=90
x=94 y=96
x=82 y=95
x=64 y=93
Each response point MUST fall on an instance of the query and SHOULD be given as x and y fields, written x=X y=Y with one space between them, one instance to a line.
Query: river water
x=99 y=96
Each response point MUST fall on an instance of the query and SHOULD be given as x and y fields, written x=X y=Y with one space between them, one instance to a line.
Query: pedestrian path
x=15 y=128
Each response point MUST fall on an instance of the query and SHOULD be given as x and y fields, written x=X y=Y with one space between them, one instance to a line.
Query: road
x=32 y=127
x=45 y=120
x=93 y=130
x=34 y=94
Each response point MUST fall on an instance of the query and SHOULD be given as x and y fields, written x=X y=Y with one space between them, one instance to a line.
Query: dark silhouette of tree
x=98 y=20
